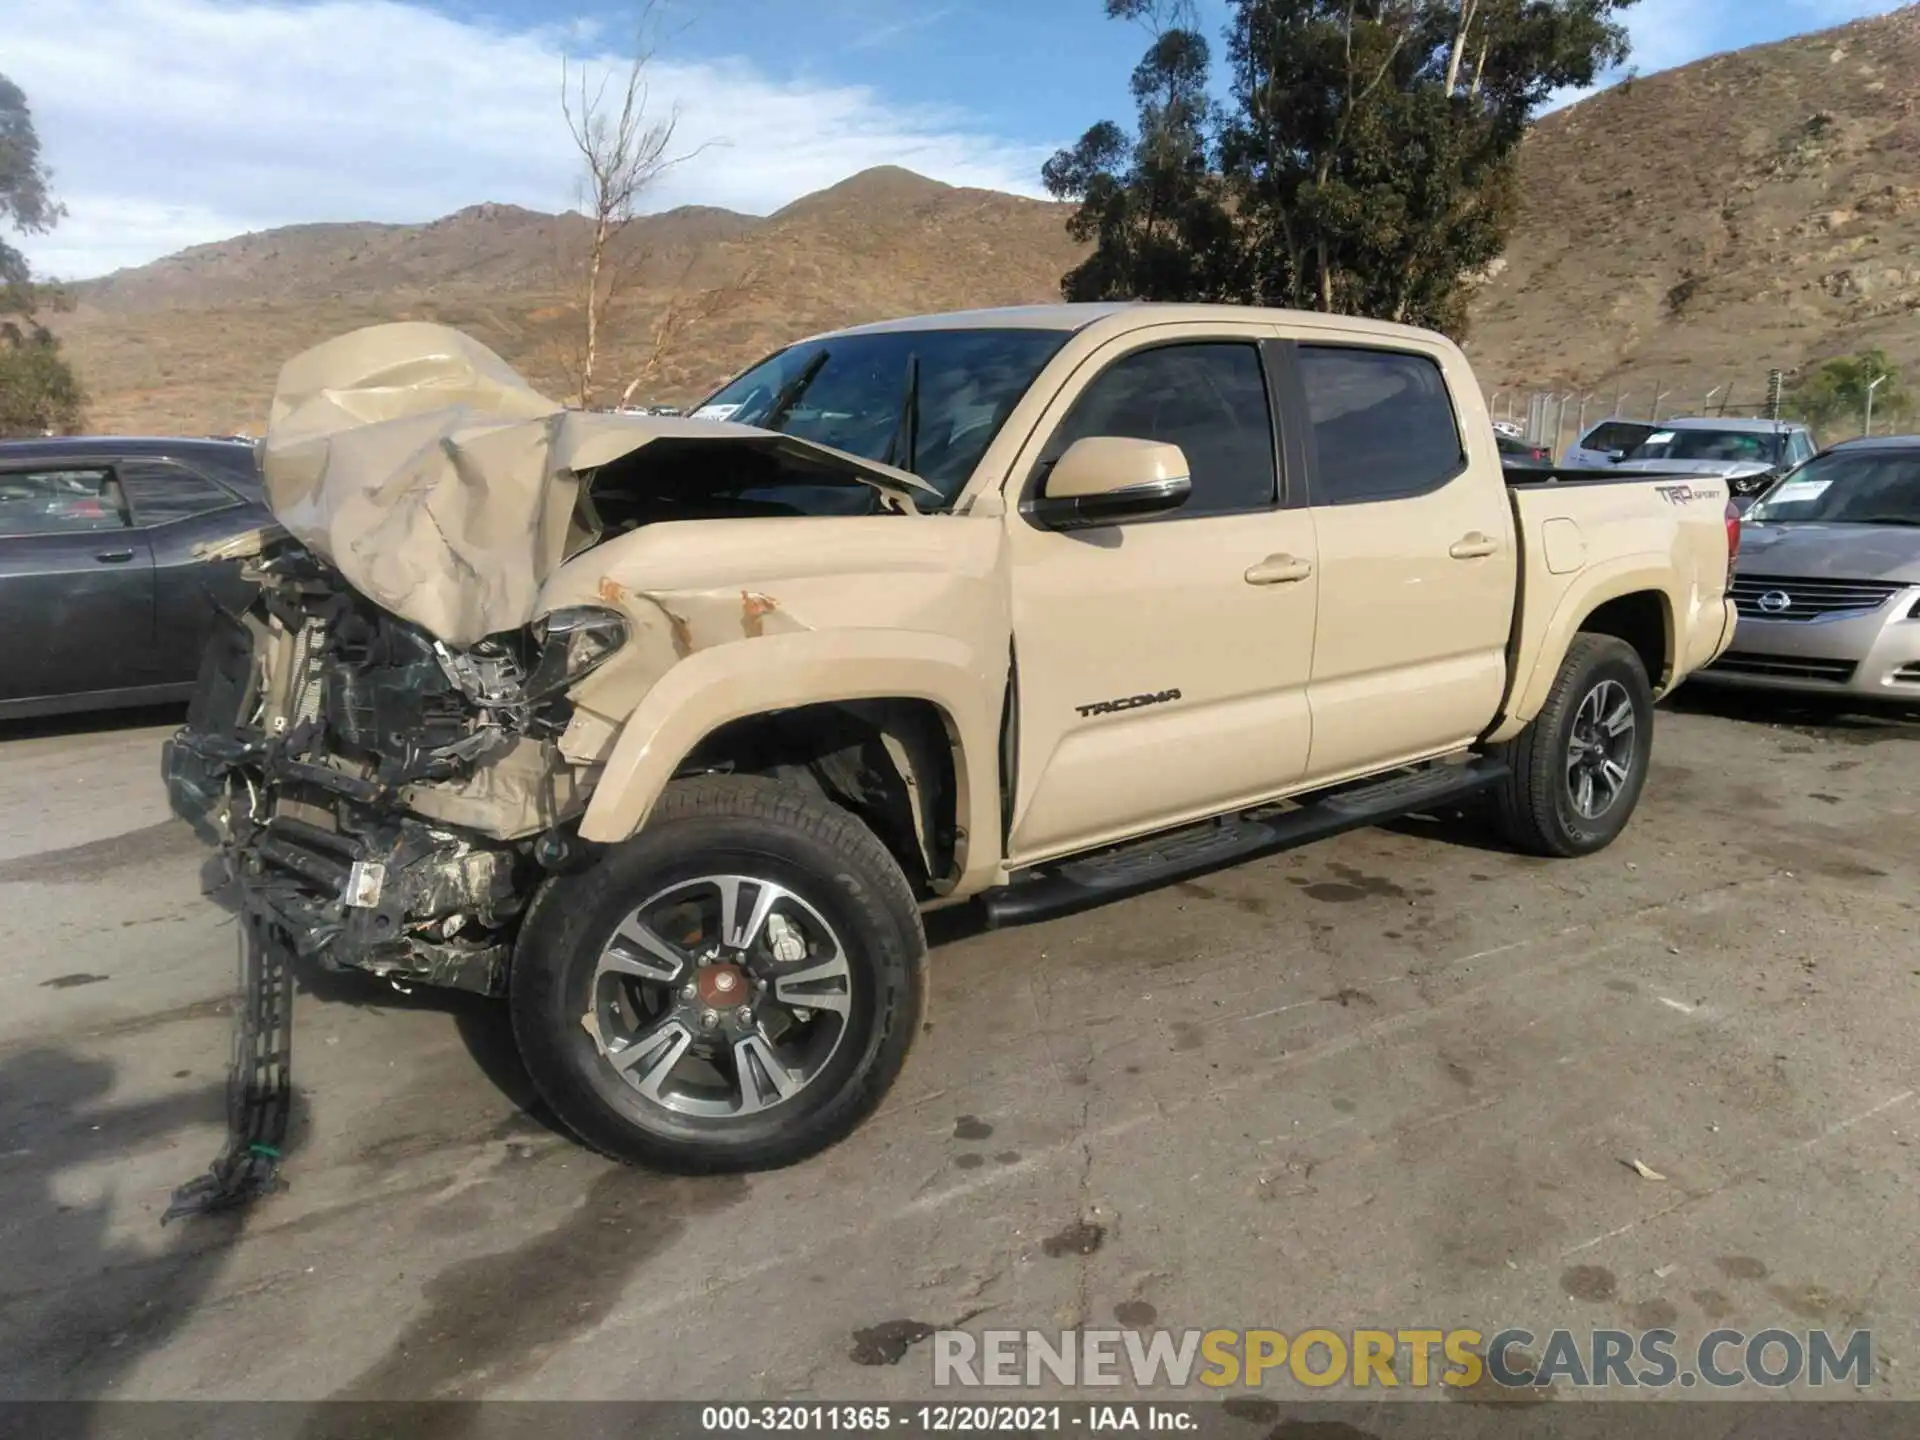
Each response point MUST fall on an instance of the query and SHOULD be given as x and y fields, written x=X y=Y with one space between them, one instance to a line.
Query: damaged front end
x=389 y=802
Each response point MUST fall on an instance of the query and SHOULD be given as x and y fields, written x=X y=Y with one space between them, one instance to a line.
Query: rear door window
x=57 y=501
x=159 y=493
x=1383 y=424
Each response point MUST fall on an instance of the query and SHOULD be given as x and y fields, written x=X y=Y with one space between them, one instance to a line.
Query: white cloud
x=174 y=122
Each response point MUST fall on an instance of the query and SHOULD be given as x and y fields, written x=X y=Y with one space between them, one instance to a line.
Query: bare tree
x=1459 y=46
x=686 y=309
x=624 y=149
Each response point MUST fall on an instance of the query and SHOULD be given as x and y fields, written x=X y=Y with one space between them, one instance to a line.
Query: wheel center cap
x=722 y=986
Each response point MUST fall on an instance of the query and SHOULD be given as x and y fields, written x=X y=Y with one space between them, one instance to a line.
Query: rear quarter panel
x=1585 y=543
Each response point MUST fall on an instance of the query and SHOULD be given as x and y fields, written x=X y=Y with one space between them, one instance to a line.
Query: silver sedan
x=1828 y=579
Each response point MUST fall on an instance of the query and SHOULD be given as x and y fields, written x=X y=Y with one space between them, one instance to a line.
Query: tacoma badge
x=1135 y=702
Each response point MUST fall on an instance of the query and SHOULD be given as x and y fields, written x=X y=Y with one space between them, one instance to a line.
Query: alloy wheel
x=721 y=997
x=1600 y=752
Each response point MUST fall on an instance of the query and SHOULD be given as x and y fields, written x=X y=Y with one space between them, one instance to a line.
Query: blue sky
x=175 y=122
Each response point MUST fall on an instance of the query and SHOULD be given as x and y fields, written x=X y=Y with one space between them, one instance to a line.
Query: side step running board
x=1078 y=884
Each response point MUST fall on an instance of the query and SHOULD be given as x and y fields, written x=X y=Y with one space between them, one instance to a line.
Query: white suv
x=1748 y=454
x=1606 y=443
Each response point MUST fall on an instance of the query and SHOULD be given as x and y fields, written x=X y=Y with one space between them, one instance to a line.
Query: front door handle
x=114 y=557
x=1280 y=570
x=1474 y=547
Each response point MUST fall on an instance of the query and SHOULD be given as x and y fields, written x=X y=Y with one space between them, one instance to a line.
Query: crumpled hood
x=1811 y=550
x=443 y=487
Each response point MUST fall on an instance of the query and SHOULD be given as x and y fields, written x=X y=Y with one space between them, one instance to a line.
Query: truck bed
x=1587 y=536
x=1529 y=478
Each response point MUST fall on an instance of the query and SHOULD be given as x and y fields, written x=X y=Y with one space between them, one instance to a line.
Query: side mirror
x=1615 y=457
x=1107 y=478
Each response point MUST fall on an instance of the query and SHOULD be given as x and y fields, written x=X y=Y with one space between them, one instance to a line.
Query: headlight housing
x=573 y=643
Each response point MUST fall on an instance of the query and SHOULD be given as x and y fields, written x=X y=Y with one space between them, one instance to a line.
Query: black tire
x=1535 y=808
x=703 y=826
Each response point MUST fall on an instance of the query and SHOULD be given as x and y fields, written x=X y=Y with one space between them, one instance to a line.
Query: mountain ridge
x=1680 y=233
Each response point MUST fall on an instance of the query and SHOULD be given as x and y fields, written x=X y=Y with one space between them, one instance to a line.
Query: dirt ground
x=1393 y=1080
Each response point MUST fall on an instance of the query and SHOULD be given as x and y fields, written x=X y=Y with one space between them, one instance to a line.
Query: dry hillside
x=1695 y=228
x=1681 y=232
x=192 y=342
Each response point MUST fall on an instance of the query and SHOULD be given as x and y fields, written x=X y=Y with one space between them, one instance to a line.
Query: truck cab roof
x=1076 y=316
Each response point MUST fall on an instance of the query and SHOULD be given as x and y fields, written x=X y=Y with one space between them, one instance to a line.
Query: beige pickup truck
x=668 y=729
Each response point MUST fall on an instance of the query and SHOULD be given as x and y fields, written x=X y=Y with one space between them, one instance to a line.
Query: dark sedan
x=103 y=598
x=1518 y=454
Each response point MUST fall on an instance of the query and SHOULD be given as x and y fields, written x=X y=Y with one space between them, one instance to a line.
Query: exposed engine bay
x=392 y=801
x=321 y=726
x=377 y=742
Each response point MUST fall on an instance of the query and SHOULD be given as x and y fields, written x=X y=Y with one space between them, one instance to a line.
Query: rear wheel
x=733 y=989
x=1579 y=768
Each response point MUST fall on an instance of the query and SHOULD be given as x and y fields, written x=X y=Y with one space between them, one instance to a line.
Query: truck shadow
x=1463 y=827
x=83 y=1300
x=482 y=1024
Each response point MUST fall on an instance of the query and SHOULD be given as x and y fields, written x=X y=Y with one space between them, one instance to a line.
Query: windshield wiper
x=1880 y=520
x=909 y=422
x=790 y=394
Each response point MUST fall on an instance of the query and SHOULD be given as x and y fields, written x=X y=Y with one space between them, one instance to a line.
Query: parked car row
x=1827 y=584
x=1748 y=454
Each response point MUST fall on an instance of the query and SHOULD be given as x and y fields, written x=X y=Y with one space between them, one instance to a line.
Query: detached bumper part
x=259 y=1083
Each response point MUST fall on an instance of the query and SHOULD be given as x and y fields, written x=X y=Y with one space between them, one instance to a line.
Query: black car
x=103 y=599
x=1518 y=454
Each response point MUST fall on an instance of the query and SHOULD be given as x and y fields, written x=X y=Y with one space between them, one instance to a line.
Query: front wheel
x=1577 y=771
x=735 y=988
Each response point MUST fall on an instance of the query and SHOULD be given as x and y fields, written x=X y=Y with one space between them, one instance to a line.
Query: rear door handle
x=114 y=557
x=1474 y=547
x=1279 y=570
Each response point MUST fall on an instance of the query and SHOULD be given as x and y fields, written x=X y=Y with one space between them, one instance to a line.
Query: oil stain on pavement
x=1079 y=1238
x=888 y=1342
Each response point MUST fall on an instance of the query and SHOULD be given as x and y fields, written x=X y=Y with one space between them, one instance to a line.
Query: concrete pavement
x=1396 y=1079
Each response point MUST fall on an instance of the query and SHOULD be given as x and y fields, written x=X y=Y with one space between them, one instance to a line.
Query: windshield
x=1848 y=488
x=1734 y=446
x=928 y=401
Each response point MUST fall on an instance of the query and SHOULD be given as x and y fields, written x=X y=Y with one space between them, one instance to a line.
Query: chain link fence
x=1556 y=419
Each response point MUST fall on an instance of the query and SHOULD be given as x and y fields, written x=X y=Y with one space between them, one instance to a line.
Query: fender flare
x=1629 y=575
x=714 y=687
